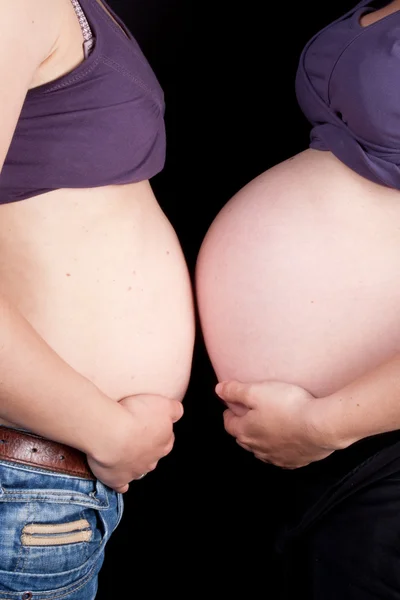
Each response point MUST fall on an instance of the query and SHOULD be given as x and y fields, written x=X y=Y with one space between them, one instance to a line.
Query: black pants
x=341 y=540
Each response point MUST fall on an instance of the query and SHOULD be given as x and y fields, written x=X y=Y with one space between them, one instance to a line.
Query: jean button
x=26 y=596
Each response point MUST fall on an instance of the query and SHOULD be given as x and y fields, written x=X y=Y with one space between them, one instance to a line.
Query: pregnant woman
x=298 y=285
x=96 y=315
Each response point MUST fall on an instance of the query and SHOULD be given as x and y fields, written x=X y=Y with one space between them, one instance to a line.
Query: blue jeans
x=53 y=531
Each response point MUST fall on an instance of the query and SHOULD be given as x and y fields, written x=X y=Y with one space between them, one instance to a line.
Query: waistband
x=21 y=447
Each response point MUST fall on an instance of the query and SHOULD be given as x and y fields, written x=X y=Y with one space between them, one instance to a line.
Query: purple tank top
x=99 y=125
x=348 y=87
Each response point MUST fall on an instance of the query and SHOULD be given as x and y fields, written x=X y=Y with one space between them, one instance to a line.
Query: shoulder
x=30 y=26
x=29 y=30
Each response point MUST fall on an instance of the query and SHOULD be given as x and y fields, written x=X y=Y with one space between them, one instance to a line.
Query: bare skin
x=95 y=293
x=298 y=290
x=297 y=277
x=377 y=15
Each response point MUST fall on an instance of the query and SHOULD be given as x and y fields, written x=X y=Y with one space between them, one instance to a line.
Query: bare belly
x=298 y=278
x=101 y=276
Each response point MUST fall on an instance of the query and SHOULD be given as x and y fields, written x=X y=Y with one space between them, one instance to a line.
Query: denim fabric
x=53 y=531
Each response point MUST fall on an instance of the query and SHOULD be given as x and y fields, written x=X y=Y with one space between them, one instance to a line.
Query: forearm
x=369 y=405
x=41 y=392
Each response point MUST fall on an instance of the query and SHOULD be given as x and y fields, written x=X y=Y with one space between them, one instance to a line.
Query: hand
x=275 y=421
x=147 y=436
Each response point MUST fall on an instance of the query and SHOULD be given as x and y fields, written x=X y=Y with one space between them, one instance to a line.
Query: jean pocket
x=53 y=528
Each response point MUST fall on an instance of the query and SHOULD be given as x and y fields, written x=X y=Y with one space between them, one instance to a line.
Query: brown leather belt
x=29 y=449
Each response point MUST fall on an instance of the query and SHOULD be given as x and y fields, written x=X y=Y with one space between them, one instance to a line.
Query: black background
x=205 y=518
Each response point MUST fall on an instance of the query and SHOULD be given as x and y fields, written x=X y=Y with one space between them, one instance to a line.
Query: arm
x=285 y=425
x=42 y=393
x=38 y=390
x=367 y=406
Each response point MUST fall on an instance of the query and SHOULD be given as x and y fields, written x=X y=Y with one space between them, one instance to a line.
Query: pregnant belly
x=101 y=276
x=298 y=278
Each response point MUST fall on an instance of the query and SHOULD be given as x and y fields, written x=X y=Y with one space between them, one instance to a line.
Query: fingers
x=237 y=408
x=244 y=446
x=122 y=490
x=231 y=423
x=169 y=446
x=176 y=410
x=236 y=392
x=263 y=458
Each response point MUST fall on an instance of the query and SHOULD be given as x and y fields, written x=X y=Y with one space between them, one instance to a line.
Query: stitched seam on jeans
x=65 y=591
x=88 y=578
x=51 y=469
x=70 y=591
x=53 y=493
x=44 y=497
x=92 y=529
x=21 y=552
x=58 y=501
x=37 y=469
